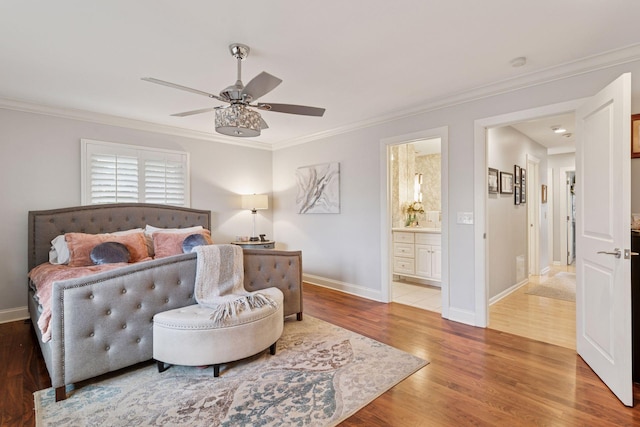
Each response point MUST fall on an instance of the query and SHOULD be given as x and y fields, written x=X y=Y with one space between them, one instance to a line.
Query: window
x=122 y=173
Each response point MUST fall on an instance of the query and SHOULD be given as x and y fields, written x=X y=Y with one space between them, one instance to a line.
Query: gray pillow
x=191 y=241
x=109 y=253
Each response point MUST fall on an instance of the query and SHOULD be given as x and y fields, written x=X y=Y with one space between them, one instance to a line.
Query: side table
x=269 y=244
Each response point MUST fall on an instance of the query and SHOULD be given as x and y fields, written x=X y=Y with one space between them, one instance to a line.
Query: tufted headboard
x=45 y=225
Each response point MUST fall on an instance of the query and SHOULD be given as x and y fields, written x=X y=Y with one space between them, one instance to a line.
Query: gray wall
x=507 y=222
x=345 y=249
x=41 y=170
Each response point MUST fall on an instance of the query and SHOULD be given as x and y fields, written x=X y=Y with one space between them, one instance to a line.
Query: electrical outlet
x=465 y=218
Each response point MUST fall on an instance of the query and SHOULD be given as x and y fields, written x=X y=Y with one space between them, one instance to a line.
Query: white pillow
x=150 y=229
x=59 y=252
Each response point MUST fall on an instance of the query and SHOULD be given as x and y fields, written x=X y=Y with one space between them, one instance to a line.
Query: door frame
x=564 y=212
x=481 y=268
x=385 y=209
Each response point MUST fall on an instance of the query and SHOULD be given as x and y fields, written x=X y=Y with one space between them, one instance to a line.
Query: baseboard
x=347 y=288
x=14 y=314
x=545 y=270
x=507 y=291
x=557 y=263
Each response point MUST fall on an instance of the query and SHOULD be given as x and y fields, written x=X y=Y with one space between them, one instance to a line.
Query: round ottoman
x=186 y=336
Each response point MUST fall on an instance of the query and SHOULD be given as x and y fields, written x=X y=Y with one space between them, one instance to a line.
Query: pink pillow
x=81 y=245
x=169 y=244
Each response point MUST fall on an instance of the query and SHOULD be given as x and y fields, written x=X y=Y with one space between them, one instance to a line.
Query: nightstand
x=269 y=244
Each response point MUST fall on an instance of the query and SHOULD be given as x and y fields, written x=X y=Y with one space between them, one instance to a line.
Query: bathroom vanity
x=417 y=253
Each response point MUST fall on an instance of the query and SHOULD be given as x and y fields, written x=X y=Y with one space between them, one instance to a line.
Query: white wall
x=345 y=248
x=41 y=170
x=507 y=233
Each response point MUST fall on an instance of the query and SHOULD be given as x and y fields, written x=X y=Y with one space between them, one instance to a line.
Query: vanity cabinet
x=417 y=254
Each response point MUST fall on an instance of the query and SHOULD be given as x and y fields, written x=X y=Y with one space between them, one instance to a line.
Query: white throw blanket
x=220 y=282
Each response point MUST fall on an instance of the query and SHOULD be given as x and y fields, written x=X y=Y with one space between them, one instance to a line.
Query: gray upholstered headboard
x=44 y=226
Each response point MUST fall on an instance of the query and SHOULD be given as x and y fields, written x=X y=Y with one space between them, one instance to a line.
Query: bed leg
x=299 y=316
x=272 y=349
x=162 y=366
x=216 y=370
x=61 y=393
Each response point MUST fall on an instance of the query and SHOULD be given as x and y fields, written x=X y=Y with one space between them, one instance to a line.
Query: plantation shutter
x=164 y=182
x=113 y=179
x=118 y=173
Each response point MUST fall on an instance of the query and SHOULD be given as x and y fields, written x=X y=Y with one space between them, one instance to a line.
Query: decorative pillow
x=149 y=230
x=59 y=253
x=191 y=241
x=81 y=245
x=109 y=253
x=169 y=244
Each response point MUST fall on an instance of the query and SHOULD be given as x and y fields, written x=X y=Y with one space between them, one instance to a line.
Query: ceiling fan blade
x=191 y=113
x=302 y=110
x=263 y=124
x=260 y=85
x=188 y=89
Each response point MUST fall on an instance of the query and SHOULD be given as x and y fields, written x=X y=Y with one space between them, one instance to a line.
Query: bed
x=103 y=322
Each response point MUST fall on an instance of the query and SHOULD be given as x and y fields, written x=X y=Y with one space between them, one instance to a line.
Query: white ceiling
x=362 y=60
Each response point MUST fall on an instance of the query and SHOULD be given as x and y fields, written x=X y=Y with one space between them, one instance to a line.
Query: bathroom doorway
x=416 y=217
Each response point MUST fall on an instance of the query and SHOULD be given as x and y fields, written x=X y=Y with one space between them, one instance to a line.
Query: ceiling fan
x=238 y=119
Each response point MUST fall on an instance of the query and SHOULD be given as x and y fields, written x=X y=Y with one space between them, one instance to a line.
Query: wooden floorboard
x=475 y=377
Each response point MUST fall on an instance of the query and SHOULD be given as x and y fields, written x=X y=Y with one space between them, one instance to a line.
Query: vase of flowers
x=410 y=210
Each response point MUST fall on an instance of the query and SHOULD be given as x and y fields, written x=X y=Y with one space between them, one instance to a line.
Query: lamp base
x=254 y=239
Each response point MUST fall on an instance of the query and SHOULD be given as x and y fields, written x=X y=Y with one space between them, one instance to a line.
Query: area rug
x=560 y=286
x=320 y=375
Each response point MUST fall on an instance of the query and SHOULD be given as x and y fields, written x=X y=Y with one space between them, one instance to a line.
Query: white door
x=603 y=272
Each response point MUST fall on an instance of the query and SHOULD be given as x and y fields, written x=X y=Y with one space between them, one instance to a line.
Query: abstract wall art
x=318 y=188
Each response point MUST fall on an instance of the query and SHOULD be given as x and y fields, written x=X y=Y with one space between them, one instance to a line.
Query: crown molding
x=106 y=119
x=569 y=69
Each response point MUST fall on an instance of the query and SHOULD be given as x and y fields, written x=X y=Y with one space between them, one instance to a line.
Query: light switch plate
x=465 y=218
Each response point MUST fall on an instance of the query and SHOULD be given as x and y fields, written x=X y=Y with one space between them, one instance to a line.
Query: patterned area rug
x=320 y=375
x=560 y=286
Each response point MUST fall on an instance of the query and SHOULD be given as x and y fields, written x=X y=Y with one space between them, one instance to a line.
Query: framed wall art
x=543 y=194
x=516 y=195
x=506 y=183
x=635 y=135
x=318 y=188
x=523 y=185
x=494 y=186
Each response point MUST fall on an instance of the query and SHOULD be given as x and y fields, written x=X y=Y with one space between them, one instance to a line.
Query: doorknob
x=616 y=252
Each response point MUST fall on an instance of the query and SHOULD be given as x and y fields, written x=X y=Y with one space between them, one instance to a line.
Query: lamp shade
x=254 y=202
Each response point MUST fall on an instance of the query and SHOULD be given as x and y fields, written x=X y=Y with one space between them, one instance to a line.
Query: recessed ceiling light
x=558 y=129
x=518 y=62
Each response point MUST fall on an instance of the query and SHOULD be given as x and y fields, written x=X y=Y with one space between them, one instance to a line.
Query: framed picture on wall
x=523 y=185
x=516 y=177
x=506 y=183
x=635 y=135
x=543 y=194
x=493 y=180
x=516 y=195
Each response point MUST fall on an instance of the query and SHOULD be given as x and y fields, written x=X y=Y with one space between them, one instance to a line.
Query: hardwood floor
x=543 y=319
x=476 y=376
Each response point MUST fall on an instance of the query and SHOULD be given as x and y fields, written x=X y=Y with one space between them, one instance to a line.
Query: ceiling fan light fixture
x=238 y=120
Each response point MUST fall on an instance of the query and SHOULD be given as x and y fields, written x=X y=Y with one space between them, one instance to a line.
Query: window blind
x=119 y=173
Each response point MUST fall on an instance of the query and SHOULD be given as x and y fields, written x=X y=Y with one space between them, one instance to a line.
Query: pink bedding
x=43 y=277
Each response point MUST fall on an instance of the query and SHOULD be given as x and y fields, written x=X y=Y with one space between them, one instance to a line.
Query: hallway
x=539 y=318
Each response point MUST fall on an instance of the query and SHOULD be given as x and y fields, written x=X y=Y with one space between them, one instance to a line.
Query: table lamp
x=253 y=202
